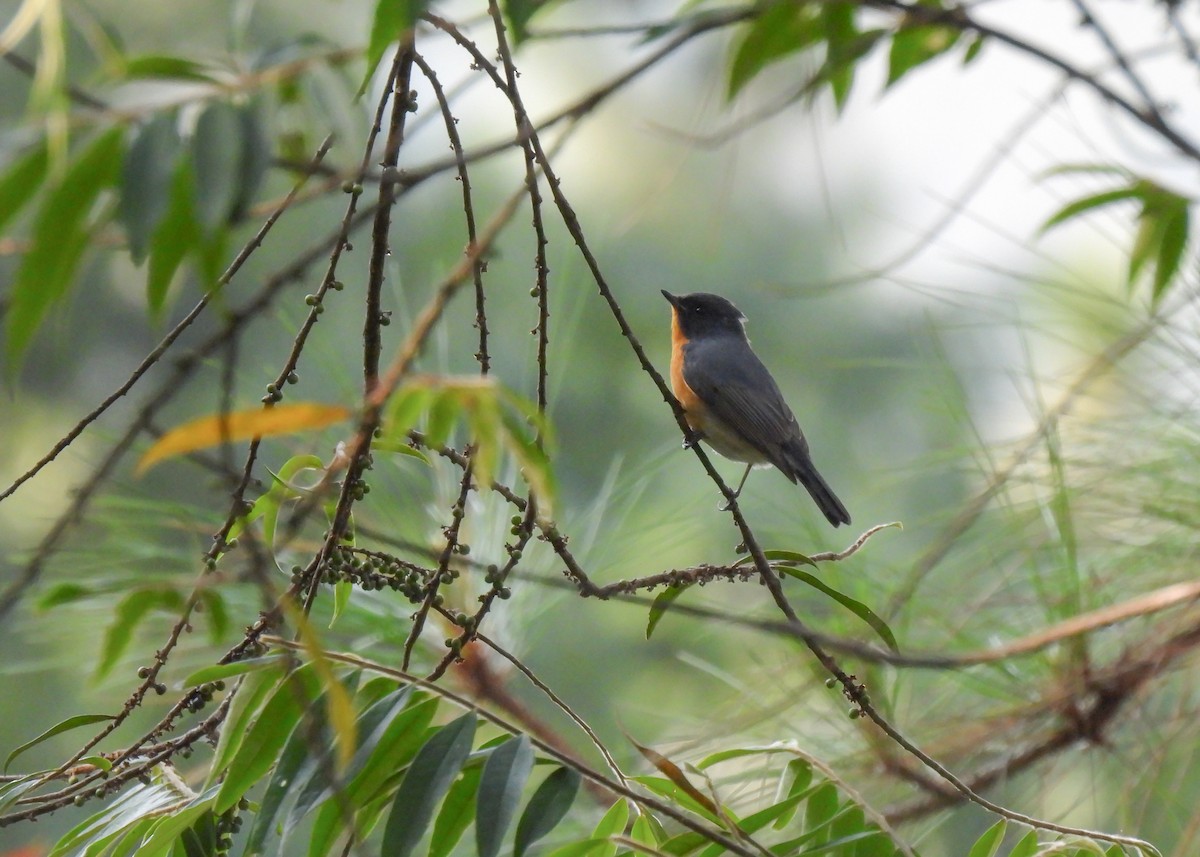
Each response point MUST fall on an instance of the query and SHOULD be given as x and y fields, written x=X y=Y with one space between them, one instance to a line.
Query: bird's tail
x=803 y=470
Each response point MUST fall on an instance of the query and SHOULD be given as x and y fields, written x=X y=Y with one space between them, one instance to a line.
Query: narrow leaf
x=988 y=844
x=425 y=783
x=504 y=776
x=1028 y=846
x=392 y=18
x=548 y=806
x=659 y=606
x=60 y=236
x=129 y=613
x=256 y=157
x=217 y=672
x=21 y=182
x=57 y=729
x=293 y=756
x=862 y=611
x=916 y=45
x=217 y=159
x=780 y=30
x=177 y=234
x=240 y=425
x=456 y=814
x=1174 y=238
x=673 y=773
x=165 y=67
x=146 y=180
x=264 y=740
x=1087 y=203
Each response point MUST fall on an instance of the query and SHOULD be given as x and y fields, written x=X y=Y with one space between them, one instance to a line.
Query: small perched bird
x=730 y=399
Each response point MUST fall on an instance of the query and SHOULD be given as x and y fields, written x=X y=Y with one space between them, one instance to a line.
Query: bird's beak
x=673 y=300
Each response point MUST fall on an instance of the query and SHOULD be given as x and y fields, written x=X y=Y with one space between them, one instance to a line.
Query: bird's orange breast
x=692 y=406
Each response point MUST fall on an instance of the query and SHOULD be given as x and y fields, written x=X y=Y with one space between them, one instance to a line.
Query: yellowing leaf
x=241 y=425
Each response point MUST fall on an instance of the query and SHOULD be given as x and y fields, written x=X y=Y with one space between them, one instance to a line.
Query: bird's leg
x=691 y=437
x=738 y=492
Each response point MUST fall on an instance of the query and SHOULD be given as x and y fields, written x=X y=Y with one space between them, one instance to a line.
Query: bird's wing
x=737 y=388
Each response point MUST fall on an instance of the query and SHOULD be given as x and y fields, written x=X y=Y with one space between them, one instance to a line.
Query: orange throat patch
x=692 y=406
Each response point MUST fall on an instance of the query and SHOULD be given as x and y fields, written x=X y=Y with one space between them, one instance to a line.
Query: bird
x=730 y=400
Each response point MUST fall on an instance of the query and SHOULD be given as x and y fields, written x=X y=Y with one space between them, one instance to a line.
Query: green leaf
x=217 y=672
x=63 y=593
x=800 y=771
x=217 y=155
x=548 y=806
x=425 y=783
x=392 y=18
x=1028 y=846
x=146 y=180
x=267 y=736
x=60 y=236
x=402 y=739
x=1173 y=231
x=821 y=807
x=21 y=182
x=518 y=13
x=614 y=821
x=862 y=611
x=845 y=46
x=129 y=613
x=293 y=756
x=781 y=30
x=256 y=157
x=660 y=604
x=917 y=44
x=988 y=844
x=456 y=814
x=792 y=557
x=165 y=67
x=504 y=776
x=57 y=729
x=973 y=49
x=1087 y=203
x=247 y=699
x=342 y=590
x=176 y=235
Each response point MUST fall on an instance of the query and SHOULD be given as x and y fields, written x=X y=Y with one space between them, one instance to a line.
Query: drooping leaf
x=247 y=701
x=821 y=807
x=546 y=808
x=129 y=613
x=61 y=231
x=661 y=603
x=916 y=44
x=177 y=234
x=21 y=182
x=211 y=430
x=1173 y=239
x=988 y=844
x=518 y=13
x=392 y=18
x=424 y=785
x=504 y=776
x=217 y=154
x=267 y=736
x=146 y=179
x=862 y=611
x=63 y=593
x=256 y=157
x=672 y=772
x=57 y=729
x=338 y=707
x=780 y=30
x=293 y=756
x=456 y=814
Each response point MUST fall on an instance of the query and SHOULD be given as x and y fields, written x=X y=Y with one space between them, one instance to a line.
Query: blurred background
x=889 y=259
